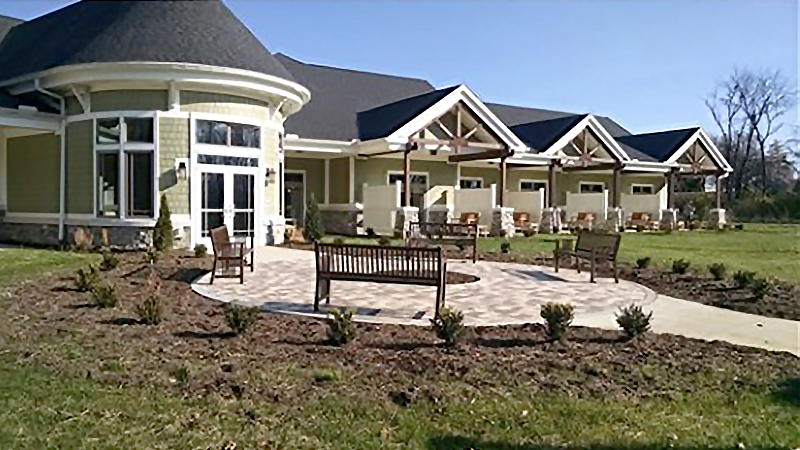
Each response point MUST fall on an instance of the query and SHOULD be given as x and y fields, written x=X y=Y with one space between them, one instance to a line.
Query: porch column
x=669 y=217
x=327 y=181
x=615 y=219
x=551 y=185
x=503 y=182
x=718 y=216
x=407 y=176
x=551 y=216
x=352 y=178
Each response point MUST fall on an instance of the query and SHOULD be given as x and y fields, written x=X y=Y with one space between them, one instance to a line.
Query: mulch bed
x=48 y=323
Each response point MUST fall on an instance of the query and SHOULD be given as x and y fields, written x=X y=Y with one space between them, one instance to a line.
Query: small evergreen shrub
x=643 y=263
x=110 y=260
x=505 y=247
x=338 y=241
x=449 y=326
x=153 y=255
x=760 y=288
x=240 y=318
x=163 y=232
x=200 y=251
x=384 y=241
x=717 y=271
x=150 y=310
x=314 y=227
x=633 y=320
x=86 y=280
x=104 y=296
x=558 y=317
x=744 y=278
x=341 y=328
x=680 y=266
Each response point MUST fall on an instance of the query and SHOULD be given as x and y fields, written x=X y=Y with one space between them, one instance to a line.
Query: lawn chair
x=584 y=221
x=469 y=218
x=642 y=221
x=226 y=251
x=522 y=223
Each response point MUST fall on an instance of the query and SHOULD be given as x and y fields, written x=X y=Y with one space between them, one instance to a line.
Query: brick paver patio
x=505 y=294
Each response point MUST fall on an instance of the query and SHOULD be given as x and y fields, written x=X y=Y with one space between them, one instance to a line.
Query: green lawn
x=41 y=410
x=20 y=264
x=770 y=250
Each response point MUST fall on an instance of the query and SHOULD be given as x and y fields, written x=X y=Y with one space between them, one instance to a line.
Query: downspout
x=63 y=164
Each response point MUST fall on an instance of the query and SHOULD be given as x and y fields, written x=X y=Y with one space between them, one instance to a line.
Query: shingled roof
x=338 y=95
x=384 y=120
x=200 y=32
x=658 y=146
x=6 y=24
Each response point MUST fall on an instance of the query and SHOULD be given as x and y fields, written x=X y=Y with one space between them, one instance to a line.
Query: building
x=107 y=106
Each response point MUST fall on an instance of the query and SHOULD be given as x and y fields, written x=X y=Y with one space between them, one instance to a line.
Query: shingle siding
x=80 y=173
x=173 y=144
x=232 y=105
x=33 y=174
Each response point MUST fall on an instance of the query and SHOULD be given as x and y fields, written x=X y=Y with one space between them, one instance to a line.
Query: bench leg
x=241 y=270
x=616 y=272
x=578 y=264
x=555 y=260
x=591 y=277
x=253 y=261
x=213 y=269
x=319 y=293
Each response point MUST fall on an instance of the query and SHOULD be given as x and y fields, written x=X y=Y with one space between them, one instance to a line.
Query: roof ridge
x=322 y=66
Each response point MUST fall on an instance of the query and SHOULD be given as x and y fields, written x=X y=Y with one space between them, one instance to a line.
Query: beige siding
x=33 y=174
x=490 y=175
x=340 y=180
x=374 y=172
x=80 y=173
x=315 y=175
x=515 y=176
x=173 y=144
x=205 y=102
x=272 y=193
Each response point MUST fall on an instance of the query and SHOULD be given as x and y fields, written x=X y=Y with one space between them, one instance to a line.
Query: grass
x=768 y=250
x=42 y=410
x=22 y=264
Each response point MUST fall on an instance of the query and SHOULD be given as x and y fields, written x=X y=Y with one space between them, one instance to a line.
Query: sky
x=647 y=64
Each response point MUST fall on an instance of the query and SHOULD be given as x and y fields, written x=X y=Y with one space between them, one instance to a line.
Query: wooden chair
x=592 y=246
x=642 y=221
x=584 y=221
x=469 y=218
x=522 y=222
x=226 y=251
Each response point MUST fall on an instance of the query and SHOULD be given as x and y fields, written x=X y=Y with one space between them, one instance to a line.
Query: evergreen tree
x=162 y=233
x=314 y=228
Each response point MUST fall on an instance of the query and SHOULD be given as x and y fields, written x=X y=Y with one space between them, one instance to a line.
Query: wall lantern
x=182 y=169
x=269 y=176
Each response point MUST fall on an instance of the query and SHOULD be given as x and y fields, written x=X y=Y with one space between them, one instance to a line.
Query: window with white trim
x=642 y=189
x=229 y=134
x=532 y=186
x=125 y=158
x=470 y=183
x=592 y=188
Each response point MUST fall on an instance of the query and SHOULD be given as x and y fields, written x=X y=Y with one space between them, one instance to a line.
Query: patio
x=505 y=293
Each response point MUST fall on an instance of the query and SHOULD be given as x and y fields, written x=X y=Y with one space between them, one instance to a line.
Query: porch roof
x=658 y=146
x=384 y=120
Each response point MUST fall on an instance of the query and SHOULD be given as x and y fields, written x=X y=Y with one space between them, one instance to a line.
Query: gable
x=384 y=120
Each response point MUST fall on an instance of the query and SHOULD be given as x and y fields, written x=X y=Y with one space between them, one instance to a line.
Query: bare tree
x=748 y=109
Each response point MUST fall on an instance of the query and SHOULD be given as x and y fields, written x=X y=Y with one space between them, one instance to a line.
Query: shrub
x=743 y=278
x=449 y=326
x=181 y=375
x=680 y=266
x=153 y=255
x=341 y=328
x=384 y=241
x=717 y=271
x=110 y=260
x=558 y=316
x=322 y=375
x=760 y=288
x=104 y=296
x=86 y=280
x=338 y=241
x=200 y=251
x=241 y=318
x=643 y=263
x=529 y=232
x=162 y=233
x=314 y=227
x=371 y=233
x=505 y=247
x=151 y=310
x=633 y=320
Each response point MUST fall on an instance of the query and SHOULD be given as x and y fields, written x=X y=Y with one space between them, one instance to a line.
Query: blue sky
x=647 y=64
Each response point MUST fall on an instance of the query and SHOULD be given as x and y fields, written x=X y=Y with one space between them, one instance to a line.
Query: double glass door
x=227 y=197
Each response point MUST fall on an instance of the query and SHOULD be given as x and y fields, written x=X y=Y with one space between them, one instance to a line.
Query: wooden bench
x=592 y=246
x=462 y=235
x=226 y=251
x=379 y=264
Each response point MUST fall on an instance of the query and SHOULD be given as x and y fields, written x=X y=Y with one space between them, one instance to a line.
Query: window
x=419 y=185
x=471 y=183
x=108 y=184
x=592 y=188
x=140 y=184
x=532 y=186
x=642 y=189
x=227 y=160
x=230 y=134
x=125 y=182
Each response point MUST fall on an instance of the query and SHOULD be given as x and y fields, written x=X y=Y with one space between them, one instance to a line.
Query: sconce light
x=182 y=169
x=269 y=176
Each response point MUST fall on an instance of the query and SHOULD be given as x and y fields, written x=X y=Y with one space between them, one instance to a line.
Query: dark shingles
x=6 y=24
x=660 y=145
x=200 y=32
x=542 y=134
x=7 y=100
x=338 y=95
x=384 y=120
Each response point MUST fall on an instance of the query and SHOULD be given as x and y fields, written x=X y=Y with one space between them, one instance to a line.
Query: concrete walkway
x=505 y=294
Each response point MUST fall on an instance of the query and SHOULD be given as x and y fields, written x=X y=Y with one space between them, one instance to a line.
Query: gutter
x=63 y=164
